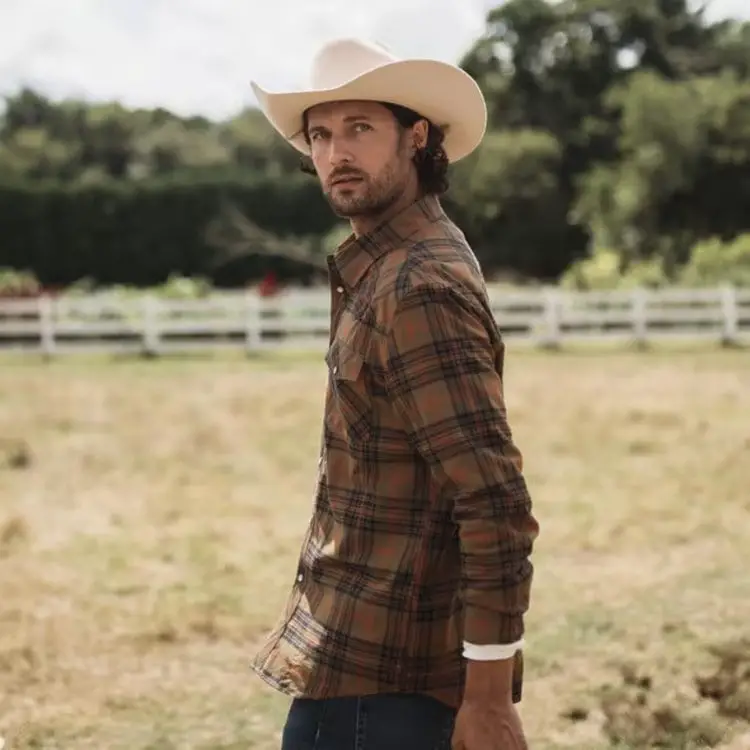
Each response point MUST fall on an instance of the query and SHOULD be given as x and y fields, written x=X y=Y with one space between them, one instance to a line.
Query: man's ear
x=420 y=131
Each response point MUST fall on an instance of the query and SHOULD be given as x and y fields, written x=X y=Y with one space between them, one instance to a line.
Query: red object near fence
x=269 y=286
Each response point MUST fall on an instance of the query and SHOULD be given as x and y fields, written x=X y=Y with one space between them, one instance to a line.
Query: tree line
x=618 y=148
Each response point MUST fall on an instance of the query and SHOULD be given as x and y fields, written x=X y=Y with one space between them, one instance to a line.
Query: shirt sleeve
x=444 y=377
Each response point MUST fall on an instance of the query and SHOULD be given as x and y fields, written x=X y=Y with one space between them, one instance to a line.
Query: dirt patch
x=14 y=534
x=637 y=712
x=14 y=454
x=729 y=686
x=635 y=717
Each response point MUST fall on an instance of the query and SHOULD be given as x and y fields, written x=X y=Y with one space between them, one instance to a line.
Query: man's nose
x=339 y=151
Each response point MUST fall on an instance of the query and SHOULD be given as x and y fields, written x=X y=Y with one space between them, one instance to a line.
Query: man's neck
x=365 y=224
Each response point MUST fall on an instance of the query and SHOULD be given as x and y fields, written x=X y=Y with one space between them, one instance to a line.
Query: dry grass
x=151 y=514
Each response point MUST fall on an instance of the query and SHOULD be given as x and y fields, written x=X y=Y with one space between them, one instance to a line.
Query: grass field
x=151 y=515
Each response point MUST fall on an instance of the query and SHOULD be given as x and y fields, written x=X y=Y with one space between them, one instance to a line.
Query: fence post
x=150 y=326
x=46 y=325
x=639 y=311
x=729 y=315
x=550 y=339
x=252 y=322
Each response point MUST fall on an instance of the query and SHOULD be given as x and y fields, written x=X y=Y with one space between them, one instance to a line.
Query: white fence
x=300 y=320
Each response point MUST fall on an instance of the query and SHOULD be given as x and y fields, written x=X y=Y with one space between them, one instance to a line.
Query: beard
x=369 y=196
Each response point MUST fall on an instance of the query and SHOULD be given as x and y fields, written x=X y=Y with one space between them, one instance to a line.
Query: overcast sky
x=197 y=56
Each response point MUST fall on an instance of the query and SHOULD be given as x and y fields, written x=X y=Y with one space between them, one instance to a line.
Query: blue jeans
x=373 y=722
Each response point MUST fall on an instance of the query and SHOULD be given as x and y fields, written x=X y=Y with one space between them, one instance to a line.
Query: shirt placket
x=338 y=300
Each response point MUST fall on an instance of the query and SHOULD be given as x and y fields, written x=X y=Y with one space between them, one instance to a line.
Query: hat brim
x=442 y=93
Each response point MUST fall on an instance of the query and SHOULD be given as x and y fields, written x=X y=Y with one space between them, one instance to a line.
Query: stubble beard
x=369 y=198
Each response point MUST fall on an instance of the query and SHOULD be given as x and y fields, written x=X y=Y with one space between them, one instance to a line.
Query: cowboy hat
x=352 y=69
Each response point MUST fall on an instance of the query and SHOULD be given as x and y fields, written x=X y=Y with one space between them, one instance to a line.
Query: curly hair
x=431 y=161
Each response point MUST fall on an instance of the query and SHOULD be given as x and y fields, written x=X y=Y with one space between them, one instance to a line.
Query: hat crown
x=344 y=59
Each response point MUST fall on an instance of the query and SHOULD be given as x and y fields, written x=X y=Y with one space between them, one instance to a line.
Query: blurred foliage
x=618 y=150
x=714 y=262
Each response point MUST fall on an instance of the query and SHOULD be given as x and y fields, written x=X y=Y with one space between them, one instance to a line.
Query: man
x=404 y=627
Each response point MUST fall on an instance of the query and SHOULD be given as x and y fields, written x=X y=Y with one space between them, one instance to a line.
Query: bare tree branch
x=234 y=236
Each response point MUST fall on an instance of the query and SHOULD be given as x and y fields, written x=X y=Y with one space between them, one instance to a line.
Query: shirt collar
x=351 y=261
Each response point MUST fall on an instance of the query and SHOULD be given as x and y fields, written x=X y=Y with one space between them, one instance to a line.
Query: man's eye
x=362 y=127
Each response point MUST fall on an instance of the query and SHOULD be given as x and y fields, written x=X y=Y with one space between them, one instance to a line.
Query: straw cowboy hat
x=352 y=69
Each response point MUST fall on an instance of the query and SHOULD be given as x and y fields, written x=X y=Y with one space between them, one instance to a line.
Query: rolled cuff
x=492 y=651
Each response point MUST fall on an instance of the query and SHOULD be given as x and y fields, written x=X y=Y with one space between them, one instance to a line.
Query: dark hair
x=431 y=160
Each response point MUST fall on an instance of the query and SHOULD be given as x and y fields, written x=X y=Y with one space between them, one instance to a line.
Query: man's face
x=361 y=155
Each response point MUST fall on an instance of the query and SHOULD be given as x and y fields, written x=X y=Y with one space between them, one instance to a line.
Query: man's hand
x=488 y=726
x=488 y=719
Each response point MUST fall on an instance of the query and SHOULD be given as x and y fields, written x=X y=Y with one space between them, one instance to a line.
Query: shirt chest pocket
x=350 y=408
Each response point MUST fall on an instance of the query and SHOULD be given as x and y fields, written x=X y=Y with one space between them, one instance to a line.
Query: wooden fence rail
x=299 y=320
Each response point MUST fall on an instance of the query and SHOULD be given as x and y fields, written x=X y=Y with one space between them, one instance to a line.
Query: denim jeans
x=373 y=722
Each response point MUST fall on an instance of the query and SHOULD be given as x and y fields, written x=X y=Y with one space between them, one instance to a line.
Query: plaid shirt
x=421 y=530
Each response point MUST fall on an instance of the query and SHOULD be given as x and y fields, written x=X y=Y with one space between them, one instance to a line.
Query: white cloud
x=197 y=56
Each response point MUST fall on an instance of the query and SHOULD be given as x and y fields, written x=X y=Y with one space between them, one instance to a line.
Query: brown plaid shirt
x=422 y=529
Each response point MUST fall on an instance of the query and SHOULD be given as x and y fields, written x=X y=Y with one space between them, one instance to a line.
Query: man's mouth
x=343 y=181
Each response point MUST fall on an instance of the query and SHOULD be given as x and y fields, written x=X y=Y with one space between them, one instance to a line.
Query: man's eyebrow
x=347 y=119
